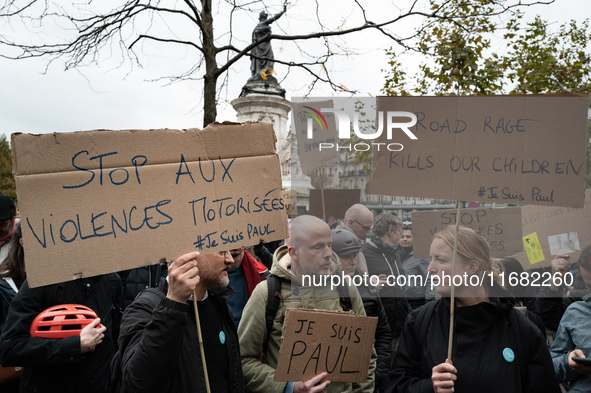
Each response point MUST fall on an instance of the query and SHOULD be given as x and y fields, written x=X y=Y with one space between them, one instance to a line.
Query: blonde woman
x=495 y=348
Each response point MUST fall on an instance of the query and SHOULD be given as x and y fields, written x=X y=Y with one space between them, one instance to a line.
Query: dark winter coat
x=551 y=305
x=383 y=337
x=58 y=365
x=160 y=346
x=7 y=293
x=138 y=279
x=393 y=297
x=482 y=332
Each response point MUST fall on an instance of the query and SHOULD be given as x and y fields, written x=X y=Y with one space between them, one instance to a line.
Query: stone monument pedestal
x=265 y=108
x=263 y=101
x=258 y=85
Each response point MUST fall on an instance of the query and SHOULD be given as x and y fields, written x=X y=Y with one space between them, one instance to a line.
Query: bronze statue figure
x=260 y=66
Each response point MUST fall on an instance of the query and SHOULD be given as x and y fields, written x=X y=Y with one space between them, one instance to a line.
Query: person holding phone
x=571 y=349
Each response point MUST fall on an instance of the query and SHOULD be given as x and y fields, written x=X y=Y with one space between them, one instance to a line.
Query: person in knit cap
x=7 y=224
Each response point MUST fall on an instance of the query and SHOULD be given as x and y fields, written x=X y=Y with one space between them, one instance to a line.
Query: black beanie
x=7 y=208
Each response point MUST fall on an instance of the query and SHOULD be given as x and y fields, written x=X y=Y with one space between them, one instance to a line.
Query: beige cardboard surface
x=315 y=341
x=501 y=227
x=290 y=200
x=95 y=202
x=548 y=221
x=311 y=157
x=336 y=202
x=523 y=149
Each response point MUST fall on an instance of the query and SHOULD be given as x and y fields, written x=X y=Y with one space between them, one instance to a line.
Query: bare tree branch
x=143 y=36
x=136 y=21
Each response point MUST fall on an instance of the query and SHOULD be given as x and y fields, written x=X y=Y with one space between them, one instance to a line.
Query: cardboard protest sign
x=336 y=202
x=315 y=341
x=290 y=201
x=501 y=227
x=102 y=201
x=523 y=149
x=559 y=230
x=307 y=116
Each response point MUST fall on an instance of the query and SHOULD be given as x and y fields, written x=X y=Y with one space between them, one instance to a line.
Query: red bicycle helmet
x=62 y=321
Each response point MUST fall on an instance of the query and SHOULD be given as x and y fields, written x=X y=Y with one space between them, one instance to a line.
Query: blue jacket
x=573 y=333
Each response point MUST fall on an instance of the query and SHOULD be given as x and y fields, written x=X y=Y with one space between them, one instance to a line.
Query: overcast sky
x=105 y=97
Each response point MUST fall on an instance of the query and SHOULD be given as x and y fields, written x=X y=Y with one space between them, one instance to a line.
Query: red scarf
x=6 y=238
x=253 y=271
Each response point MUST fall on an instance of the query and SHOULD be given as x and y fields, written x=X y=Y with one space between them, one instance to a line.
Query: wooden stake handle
x=453 y=288
x=323 y=206
x=201 y=342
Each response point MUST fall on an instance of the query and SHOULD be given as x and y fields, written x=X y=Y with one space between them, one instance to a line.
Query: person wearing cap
x=12 y=276
x=346 y=245
x=7 y=224
x=358 y=220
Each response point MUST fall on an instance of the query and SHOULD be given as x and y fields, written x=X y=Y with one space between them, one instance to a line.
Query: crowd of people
x=215 y=322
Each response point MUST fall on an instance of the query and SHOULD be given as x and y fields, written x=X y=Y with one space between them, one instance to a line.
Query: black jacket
x=138 y=279
x=6 y=296
x=383 y=338
x=551 y=305
x=481 y=334
x=160 y=346
x=57 y=365
x=393 y=297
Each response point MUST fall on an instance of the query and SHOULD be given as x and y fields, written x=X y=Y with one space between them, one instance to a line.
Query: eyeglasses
x=365 y=227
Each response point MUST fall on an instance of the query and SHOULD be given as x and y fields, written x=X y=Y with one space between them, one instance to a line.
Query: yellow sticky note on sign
x=533 y=248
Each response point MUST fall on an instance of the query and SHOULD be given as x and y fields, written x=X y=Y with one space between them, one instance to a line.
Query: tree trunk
x=211 y=76
x=209 y=104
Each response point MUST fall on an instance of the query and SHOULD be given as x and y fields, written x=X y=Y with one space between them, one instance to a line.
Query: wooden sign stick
x=201 y=342
x=323 y=208
x=453 y=288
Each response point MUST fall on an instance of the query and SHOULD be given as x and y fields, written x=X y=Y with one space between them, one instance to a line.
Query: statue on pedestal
x=261 y=66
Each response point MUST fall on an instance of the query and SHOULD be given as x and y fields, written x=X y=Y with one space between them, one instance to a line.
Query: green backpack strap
x=273 y=298
x=345 y=298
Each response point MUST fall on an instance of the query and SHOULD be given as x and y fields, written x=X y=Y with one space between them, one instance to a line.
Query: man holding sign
x=159 y=340
x=309 y=254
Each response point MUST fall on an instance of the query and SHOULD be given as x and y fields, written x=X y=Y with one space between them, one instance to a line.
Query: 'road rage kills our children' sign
x=518 y=149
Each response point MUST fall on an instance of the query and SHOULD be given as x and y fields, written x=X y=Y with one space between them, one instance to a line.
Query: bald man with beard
x=309 y=253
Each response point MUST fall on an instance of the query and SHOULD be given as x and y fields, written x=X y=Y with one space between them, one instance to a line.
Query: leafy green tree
x=537 y=60
x=366 y=125
x=542 y=61
x=7 y=185
x=462 y=62
x=318 y=179
x=457 y=45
